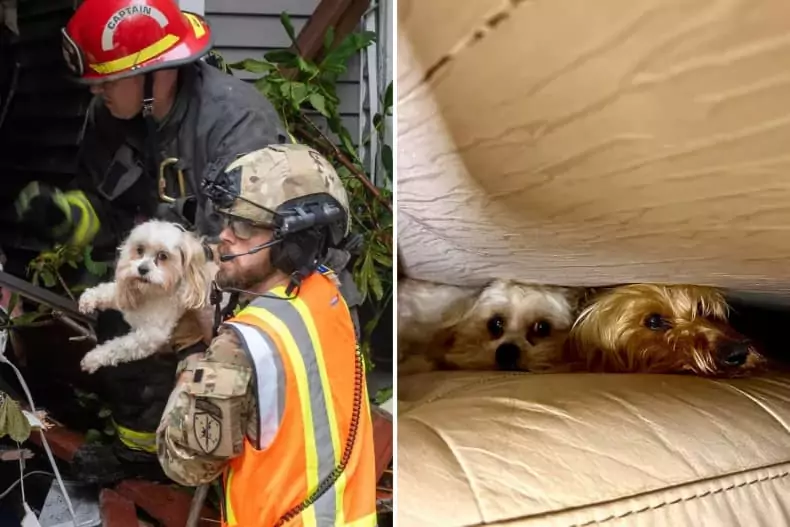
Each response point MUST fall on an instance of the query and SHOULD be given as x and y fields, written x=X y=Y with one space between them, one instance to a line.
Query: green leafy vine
x=298 y=87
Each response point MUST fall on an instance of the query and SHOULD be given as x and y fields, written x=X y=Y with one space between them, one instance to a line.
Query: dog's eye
x=496 y=326
x=161 y=256
x=656 y=322
x=540 y=329
x=140 y=250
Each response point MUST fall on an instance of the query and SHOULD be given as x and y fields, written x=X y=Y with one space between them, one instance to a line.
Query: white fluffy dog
x=162 y=273
x=505 y=325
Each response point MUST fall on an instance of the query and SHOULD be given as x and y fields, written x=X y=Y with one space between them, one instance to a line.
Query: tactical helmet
x=280 y=181
x=110 y=39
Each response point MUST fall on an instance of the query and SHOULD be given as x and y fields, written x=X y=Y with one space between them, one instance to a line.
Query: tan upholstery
x=573 y=450
x=631 y=140
x=591 y=142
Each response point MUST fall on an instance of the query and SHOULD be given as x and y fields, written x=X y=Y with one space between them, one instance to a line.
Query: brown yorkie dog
x=646 y=328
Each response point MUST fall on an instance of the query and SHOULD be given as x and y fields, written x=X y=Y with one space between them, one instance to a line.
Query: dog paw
x=92 y=361
x=88 y=302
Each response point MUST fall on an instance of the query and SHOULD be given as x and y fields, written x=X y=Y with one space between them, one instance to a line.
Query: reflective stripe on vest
x=269 y=380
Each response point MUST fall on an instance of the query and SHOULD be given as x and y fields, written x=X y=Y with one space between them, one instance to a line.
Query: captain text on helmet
x=277 y=406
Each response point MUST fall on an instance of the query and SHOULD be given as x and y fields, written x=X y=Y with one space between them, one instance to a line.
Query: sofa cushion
x=577 y=449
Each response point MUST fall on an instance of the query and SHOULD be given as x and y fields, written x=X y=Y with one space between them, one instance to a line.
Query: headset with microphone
x=302 y=230
x=257 y=248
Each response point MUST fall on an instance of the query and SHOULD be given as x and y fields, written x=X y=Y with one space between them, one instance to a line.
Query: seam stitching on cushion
x=684 y=499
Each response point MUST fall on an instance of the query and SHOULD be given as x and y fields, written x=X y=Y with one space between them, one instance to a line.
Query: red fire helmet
x=109 y=39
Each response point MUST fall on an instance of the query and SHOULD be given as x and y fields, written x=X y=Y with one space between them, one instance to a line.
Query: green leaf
x=254 y=66
x=93 y=436
x=13 y=422
x=281 y=56
x=383 y=395
x=12 y=302
x=345 y=138
x=319 y=103
x=49 y=278
x=105 y=412
x=375 y=285
x=78 y=289
x=329 y=39
x=95 y=268
x=383 y=259
x=348 y=47
x=306 y=67
x=388 y=97
x=295 y=92
x=27 y=319
x=289 y=27
x=386 y=159
x=334 y=67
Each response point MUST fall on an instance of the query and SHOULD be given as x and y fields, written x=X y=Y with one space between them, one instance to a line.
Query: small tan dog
x=503 y=326
x=646 y=328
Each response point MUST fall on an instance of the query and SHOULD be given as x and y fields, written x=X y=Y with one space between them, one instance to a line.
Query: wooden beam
x=342 y=15
x=63 y=442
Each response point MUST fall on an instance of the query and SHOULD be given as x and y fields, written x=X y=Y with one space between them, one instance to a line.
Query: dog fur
x=162 y=274
x=505 y=325
x=649 y=328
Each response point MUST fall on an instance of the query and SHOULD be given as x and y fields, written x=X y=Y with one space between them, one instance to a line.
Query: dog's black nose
x=507 y=356
x=733 y=353
x=143 y=270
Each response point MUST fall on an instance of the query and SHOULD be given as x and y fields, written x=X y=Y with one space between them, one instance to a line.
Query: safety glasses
x=241 y=228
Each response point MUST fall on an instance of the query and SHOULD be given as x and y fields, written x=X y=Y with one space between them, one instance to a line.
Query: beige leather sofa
x=590 y=143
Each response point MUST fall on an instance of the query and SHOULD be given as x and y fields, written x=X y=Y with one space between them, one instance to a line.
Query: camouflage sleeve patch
x=207 y=415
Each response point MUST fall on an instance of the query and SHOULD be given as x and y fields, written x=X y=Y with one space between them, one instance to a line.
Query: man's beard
x=246 y=279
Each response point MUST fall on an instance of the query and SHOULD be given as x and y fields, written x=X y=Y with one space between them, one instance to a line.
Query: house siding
x=249 y=28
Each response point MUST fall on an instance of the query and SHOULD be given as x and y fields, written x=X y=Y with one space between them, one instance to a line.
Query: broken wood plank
x=382 y=439
x=117 y=510
x=166 y=504
x=63 y=442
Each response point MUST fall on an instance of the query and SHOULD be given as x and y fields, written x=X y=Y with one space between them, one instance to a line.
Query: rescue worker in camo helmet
x=277 y=406
x=155 y=100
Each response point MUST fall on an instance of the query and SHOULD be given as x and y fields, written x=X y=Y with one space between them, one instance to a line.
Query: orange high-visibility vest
x=304 y=352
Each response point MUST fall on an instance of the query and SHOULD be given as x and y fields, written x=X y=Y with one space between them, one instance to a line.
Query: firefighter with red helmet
x=162 y=121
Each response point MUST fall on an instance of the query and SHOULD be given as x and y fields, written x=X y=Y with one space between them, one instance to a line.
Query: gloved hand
x=54 y=216
x=39 y=211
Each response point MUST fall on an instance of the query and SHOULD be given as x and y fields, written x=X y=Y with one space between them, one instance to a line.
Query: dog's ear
x=195 y=288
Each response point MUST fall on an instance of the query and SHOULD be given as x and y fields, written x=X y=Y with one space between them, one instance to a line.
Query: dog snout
x=507 y=356
x=734 y=353
x=143 y=269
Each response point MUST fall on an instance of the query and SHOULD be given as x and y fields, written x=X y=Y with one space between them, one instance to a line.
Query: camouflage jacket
x=192 y=449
